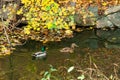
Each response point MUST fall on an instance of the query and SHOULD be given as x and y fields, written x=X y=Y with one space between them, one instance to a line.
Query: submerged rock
x=110 y=38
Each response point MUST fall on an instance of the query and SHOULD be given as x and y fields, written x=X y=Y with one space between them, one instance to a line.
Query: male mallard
x=40 y=54
x=69 y=49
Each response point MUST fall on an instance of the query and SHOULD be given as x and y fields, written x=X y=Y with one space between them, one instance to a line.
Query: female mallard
x=40 y=54
x=69 y=49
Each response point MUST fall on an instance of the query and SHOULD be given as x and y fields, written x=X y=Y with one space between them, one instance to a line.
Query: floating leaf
x=70 y=69
x=114 y=38
x=46 y=73
x=82 y=77
x=111 y=77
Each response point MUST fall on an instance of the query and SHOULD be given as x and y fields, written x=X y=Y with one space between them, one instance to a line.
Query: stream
x=104 y=49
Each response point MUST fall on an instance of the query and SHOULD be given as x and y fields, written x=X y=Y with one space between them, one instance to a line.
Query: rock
x=111 y=18
x=115 y=19
x=93 y=9
x=103 y=34
x=72 y=3
x=114 y=37
x=78 y=19
x=90 y=17
x=104 y=22
x=113 y=9
x=8 y=0
x=108 y=45
x=6 y=12
x=110 y=38
x=87 y=17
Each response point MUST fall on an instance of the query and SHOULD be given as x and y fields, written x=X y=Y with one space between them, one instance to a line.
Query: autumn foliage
x=48 y=20
x=46 y=14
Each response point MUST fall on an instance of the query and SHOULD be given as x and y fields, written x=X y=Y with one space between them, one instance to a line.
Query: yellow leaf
x=73 y=27
x=104 y=3
x=66 y=26
x=7 y=52
x=19 y=11
x=68 y=32
x=26 y=30
x=45 y=41
x=91 y=27
x=60 y=13
x=38 y=29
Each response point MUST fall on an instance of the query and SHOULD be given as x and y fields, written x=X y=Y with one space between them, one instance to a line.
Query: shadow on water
x=21 y=66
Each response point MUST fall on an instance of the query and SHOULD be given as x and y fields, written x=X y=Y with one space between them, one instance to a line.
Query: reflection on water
x=21 y=66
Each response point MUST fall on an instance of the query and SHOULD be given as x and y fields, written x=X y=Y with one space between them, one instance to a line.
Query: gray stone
x=108 y=45
x=110 y=19
x=112 y=9
x=78 y=19
x=110 y=38
x=88 y=17
x=115 y=19
x=5 y=13
x=72 y=3
x=104 y=22
x=103 y=34
x=93 y=9
x=114 y=37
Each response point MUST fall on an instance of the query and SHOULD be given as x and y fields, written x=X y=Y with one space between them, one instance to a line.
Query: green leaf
x=52 y=69
x=52 y=26
x=46 y=73
x=48 y=76
x=48 y=8
x=43 y=79
x=82 y=77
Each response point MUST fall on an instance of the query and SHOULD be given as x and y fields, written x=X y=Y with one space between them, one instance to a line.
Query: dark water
x=20 y=66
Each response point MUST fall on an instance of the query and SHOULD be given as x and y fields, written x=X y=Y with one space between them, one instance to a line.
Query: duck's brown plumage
x=69 y=49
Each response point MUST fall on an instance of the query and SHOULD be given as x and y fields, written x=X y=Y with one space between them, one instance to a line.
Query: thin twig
x=7 y=36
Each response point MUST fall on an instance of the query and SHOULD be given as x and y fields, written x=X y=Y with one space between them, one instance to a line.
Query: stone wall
x=110 y=17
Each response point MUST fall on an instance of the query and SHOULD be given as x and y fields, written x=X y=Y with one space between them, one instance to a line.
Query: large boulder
x=86 y=17
x=115 y=19
x=112 y=10
x=103 y=22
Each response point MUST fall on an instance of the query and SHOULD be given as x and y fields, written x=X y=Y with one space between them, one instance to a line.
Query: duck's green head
x=43 y=48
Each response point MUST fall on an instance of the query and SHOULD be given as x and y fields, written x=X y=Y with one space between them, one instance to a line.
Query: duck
x=69 y=49
x=40 y=54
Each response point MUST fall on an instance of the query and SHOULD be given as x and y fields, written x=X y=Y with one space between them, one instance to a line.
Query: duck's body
x=40 y=54
x=69 y=49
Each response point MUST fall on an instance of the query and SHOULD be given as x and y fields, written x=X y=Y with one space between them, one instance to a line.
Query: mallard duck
x=69 y=49
x=40 y=54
